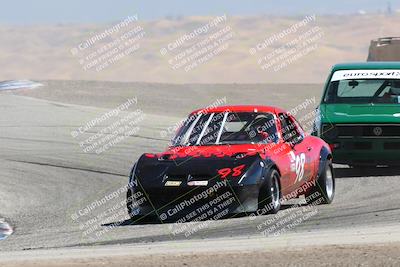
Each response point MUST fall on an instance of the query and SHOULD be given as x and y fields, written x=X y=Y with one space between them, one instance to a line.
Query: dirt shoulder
x=348 y=255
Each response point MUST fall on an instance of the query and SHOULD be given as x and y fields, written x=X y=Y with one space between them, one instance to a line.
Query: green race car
x=359 y=114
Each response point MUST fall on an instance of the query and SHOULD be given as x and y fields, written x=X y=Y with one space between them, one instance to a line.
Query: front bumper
x=197 y=188
x=188 y=203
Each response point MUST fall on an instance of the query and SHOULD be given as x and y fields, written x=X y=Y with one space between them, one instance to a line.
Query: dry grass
x=43 y=52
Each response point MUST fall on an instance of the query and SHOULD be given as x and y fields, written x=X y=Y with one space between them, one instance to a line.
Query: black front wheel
x=129 y=204
x=270 y=195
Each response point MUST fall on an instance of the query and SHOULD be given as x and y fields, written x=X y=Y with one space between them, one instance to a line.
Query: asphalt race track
x=46 y=177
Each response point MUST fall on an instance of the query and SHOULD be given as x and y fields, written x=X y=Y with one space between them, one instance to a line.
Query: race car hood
x=201 y=164
x=360 y=113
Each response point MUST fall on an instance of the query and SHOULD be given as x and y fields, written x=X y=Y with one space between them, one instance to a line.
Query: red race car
x=229 y=160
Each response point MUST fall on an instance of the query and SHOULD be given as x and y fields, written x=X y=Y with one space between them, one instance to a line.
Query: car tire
x=129 y=203
x=270 y=194
x=135 y=216
x=325 y=186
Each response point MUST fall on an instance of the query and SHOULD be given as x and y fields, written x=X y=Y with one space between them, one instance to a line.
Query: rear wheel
x=324 y=190
x=269 y=198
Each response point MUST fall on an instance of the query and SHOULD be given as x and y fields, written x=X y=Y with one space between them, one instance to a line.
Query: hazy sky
x=77 y=11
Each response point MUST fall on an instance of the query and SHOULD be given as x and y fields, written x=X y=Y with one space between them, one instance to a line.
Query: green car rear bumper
x=366 y=151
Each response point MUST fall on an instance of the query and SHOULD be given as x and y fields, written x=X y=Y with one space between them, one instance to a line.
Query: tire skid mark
x=68 y=167
x=358 y=214
x=35 y=140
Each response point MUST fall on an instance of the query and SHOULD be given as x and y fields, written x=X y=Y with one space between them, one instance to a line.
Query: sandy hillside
x=44 y=51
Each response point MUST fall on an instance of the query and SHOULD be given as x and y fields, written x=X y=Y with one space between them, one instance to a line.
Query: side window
x=331 y=93
x=291 y=132
x=299 y=130
x=263 y=129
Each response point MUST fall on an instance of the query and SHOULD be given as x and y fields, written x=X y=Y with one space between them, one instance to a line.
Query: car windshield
x=362 y=91
x=227 y=128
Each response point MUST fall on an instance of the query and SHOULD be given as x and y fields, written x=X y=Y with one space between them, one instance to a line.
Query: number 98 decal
x=234 y=172
x=299 y=162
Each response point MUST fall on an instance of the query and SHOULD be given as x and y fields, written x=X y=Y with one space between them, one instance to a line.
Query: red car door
x=300 y=156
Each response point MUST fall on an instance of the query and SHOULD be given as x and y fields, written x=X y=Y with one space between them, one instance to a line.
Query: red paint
x=234 y=172
x=224 y=172
x=282 y=154
x=237 y=171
